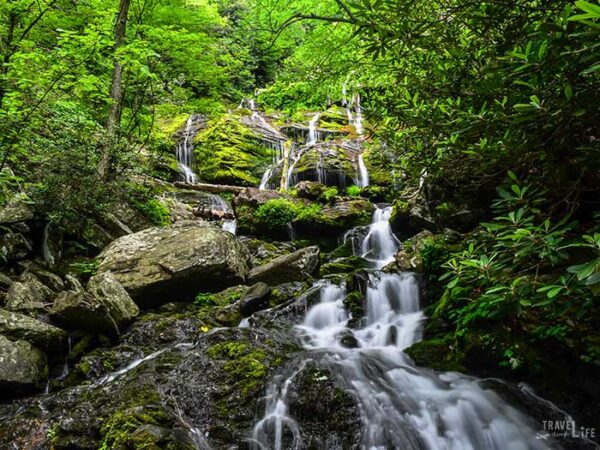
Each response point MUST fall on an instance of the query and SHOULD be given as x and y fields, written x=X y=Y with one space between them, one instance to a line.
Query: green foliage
x=329 y=194
x=143 y=199
x=518 y=266
x=86 y=268
x=277 y=213
x=353 y=191
x=204 y=299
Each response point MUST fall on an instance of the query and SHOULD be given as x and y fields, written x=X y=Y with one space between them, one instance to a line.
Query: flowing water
x=185 y=152
x=402 y=406
x=363 y=174
x=313 y=134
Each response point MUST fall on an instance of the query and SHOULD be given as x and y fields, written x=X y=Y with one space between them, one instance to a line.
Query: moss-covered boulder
x=229 y=151
x=17 y=209
x=409 y=258
x=158 y=265
x=14 y=246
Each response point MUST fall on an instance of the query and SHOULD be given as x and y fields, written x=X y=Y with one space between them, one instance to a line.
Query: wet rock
x=328 y=415
x=18 y=209
x=28 y=295
x=255 y=299
x=21 y=327
x=50 y=279
x=106 y=307
x=14 y=246
x=409 y=258
x=158 y=265
x=296 y=266
x=23 y=367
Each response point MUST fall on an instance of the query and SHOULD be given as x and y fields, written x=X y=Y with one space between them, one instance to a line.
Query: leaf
x=568 y=92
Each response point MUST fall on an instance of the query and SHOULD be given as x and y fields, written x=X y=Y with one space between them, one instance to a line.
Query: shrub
x=353 y=191
x=277 y=213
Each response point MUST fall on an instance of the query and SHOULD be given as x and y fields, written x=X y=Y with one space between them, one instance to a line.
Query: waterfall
x=380 y=245
x=402 y=406
x=363 y=173
x=313 y=134
x=358 y=120
x=47 y=252
x=185 y=152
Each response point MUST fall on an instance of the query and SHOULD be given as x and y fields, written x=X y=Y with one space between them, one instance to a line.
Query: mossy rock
x=436 y=353
x=343 y=265
x=229 y=152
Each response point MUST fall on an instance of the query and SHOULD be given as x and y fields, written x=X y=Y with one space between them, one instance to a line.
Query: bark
x=116 y=94
x=212 y=188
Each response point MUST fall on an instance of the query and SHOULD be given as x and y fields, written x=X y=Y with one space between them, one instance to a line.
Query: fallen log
x=212 y=188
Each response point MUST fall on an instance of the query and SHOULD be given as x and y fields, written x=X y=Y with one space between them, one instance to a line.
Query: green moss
x=277 y=213
x=141 y=407
x=344 y=265
x=437 y=353
x=245 y=366
x=354 y=303
x=231 y=153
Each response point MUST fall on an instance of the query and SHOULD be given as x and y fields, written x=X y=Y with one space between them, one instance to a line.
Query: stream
x=402 y=405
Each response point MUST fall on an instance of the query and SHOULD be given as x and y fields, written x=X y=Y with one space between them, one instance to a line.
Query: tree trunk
x=116 y=93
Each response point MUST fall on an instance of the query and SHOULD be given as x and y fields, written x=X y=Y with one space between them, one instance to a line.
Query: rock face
x=23 y=367
x=18 y=326
x=105 y=308
x=296 y=266
x=157 y=265
x=28 y=295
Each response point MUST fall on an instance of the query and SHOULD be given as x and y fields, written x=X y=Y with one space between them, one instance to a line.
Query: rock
x=410 y=217
x=23 y=367
x=408 y=258
x=158 y=265
x=310 y=190
x=105 y=308
x=18 y=209
x=255 y=299
x=14 y=246
x=345 y=214
x=178 y=211
x=328 y=416
x=28 y=295
x=296 y=266
x=5 y=281
x=233 y=152
x=20 y=327
x=329 y=163
x=50 y=279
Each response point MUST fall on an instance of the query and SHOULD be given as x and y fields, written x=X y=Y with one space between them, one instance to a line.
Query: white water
x=132 y=365
x=402 y=406
x=363 y=173
x=380 y=245
x=230 y=225
x=313 y=134
x=358 y=119
x=185 y=152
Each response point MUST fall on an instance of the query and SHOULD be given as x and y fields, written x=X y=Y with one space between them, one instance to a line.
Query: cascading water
x=313 y=134
x=363 y=173
x=185 y=152
x=402 y=406
x=358 y=120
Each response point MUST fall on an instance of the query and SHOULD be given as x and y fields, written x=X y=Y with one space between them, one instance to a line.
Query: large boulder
x=18 y=209
x=28 y=295
x=106 y=307
x=296 y=266
x=21 y=327
x=158 y=265
x=409 y=257
x=23 y=367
